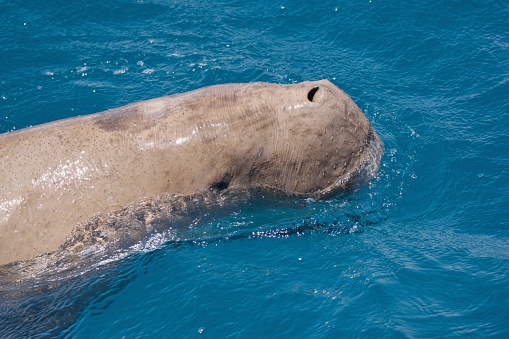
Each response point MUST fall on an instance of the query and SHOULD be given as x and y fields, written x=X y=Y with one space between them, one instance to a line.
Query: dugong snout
x=344 y=146
x=370 y=162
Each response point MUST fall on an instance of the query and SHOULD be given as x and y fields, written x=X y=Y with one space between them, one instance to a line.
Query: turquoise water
x=423 y=251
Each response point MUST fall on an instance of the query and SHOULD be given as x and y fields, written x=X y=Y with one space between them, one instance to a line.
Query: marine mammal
x=308 y=139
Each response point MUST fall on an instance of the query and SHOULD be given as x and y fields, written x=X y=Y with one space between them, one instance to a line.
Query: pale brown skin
x=307 y=139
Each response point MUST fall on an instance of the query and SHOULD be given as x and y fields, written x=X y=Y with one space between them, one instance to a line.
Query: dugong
x=305 y=140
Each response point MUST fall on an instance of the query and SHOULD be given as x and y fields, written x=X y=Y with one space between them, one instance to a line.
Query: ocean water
x=422 y=251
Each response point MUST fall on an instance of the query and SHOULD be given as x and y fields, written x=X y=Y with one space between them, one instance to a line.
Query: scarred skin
x=309 y=139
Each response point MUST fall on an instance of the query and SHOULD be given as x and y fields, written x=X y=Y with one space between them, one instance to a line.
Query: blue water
x=422 y=251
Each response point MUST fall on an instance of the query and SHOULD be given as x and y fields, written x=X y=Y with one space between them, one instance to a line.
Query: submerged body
x=307 y=139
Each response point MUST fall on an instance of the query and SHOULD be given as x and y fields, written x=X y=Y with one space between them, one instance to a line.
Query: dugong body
x=308 y=139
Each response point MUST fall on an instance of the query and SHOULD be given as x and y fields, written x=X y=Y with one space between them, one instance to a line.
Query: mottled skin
x=307 y=139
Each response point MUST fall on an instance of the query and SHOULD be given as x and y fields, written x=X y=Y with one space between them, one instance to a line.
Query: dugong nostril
x=312 y=92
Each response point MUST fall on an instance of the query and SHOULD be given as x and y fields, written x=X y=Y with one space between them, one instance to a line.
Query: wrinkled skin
x=309 y=139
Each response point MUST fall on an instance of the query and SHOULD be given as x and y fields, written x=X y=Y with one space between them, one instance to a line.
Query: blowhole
x=312 y=92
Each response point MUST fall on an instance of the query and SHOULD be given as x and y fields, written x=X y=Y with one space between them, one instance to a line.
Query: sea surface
x=420 y=252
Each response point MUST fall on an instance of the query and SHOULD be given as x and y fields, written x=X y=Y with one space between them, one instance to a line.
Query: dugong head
x=312 y=139
x=326 y=143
